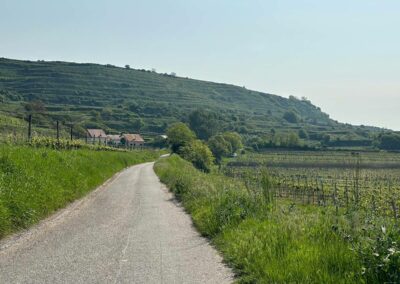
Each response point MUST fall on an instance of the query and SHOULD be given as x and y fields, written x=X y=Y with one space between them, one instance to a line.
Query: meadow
x=37 y=180
x=269 y=228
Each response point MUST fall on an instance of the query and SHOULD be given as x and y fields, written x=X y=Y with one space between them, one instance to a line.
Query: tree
x=389 y=141
x=198 y=154
x=234 y=139
x=326 y=139
x=291 y=117
x=35 y=107
x=133 y=106
x=293 y=140
x=159 y=142
x=203 y=123
x=179 y=135
x=219 y=147
x=106 y=113
x=137 y=124
x=127 y=66
x=303 y=134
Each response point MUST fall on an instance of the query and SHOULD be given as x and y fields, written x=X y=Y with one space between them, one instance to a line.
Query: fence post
x=71 y=131
x=58 y=132
x=30 y=127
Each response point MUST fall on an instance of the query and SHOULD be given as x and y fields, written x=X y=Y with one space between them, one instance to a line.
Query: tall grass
x=265 y=241
x=34 y=182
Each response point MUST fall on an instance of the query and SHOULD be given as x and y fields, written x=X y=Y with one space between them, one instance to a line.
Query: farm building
x=96 y=136
x=114 y=140
x=132 y=140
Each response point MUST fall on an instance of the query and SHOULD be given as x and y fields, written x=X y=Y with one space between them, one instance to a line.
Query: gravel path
x=127 y=231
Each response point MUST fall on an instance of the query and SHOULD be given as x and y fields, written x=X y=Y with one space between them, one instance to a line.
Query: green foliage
x=389 y=141
x=291 y=117
x=36 y=182
x=219 y=147
x=303 y=134
x=326 y=138
x=265 y=242
x=234 y=139
x=290 y=140
x=67 y=144
x=35 y=107
x=199 y=154
x=179 y=135
x=203 y=123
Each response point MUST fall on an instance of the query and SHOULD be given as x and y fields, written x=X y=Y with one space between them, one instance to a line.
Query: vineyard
x=358 y=193
x=368 y=181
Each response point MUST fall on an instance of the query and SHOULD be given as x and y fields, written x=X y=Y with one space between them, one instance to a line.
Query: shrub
x=291 y=117
x=234 y=139
x=219 y=147
x=199 y=155
x=179 y=135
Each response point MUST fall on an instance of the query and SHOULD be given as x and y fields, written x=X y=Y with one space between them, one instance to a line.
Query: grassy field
x=268 y=239
x=34 y=182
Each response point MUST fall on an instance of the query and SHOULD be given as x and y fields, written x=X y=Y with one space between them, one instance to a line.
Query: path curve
x=128 y=231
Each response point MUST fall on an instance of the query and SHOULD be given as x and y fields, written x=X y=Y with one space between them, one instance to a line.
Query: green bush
x=219 y=147
x=199 y=154
x=179 y=135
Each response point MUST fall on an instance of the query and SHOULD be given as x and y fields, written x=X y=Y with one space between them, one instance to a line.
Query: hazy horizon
x=343 y=56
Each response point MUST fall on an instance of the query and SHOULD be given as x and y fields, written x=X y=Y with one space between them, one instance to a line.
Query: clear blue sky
x=344 y=55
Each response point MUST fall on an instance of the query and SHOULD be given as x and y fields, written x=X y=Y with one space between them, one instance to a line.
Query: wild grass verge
x=263 y=240
x=34 y=182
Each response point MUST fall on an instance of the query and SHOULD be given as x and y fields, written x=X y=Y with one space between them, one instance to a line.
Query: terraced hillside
x=124 y=99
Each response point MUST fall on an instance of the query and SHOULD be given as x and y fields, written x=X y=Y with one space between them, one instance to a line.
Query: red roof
x=133 y=137
x=96 y=133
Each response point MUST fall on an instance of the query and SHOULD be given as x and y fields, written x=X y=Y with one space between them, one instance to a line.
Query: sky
x=343 y=55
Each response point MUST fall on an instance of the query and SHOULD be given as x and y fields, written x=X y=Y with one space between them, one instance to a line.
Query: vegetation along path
x=128 y=231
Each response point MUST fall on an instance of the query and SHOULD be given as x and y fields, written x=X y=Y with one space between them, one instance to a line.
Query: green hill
x=122 y=99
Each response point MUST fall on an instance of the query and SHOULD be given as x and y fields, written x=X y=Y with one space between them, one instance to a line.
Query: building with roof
x=114 y=140
x=96 y=136
x=132 y=140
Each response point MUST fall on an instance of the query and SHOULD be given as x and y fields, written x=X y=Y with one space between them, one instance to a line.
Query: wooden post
x=71 y=131
x=58 y=132
x=30 y=127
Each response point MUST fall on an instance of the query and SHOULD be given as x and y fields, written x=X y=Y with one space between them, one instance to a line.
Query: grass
x=35 y=182
x=264 y=240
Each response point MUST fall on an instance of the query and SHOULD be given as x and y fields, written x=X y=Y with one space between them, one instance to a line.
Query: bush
x=303 y=134
x=390 y=141
x=219 y=147
x=199 y=155
x=291 y=117
x=179 y=135
x=234 y=139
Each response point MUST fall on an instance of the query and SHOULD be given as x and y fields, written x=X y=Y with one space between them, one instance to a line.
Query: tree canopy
x=199 y=154
x=219 y=147
x=203 y=123
x=179 y=135
x=390 y=141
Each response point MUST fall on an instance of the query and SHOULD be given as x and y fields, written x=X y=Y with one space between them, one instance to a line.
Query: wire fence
x=56 y=134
